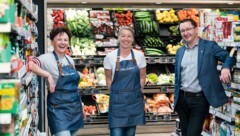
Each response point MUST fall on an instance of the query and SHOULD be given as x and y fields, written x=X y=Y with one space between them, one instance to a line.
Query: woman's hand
x=51 y=83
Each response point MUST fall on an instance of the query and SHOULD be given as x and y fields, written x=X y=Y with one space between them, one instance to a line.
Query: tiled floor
x=151 y=129
x=156 y=134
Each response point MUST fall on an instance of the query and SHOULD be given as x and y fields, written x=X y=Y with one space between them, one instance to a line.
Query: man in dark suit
x=197 y=81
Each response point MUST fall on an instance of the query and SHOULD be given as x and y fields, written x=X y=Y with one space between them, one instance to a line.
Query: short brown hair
x=194 y=24
x=57 y=30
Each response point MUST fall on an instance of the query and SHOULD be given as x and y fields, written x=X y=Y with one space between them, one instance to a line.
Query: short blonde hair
x=125 y=28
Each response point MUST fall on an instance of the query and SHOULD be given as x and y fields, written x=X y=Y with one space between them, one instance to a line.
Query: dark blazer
x=209 y=53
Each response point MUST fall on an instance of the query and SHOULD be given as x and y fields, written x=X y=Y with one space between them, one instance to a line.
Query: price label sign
x=163 y=60
x=151 y=60
x=98 y=61
x=86 y=62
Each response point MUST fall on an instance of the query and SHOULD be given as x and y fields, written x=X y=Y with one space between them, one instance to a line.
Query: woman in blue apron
x=64 y=107
x=125 y=80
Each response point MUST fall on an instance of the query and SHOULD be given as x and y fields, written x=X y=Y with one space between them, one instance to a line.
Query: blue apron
x=64 y=105
x=126 y=99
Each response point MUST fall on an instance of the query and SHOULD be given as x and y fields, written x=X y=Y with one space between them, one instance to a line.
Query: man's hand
x=225 y=75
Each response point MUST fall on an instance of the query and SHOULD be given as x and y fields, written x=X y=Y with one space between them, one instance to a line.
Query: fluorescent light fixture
x=158 y=3
x=84 y=2
x=230 y=3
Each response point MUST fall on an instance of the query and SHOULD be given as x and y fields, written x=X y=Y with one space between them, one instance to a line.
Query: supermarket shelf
x=236 y=106
x=205 y=133
x=5 y=67
x=237 y=65
x=30 y=14
x=229 y=94
x=235 y=85
x=147 y=89
x=91 y=60
x=27 y=79
x=26 y=130
x=22 y=72
x=221 y=115
x=5 y=28
x=23 y=101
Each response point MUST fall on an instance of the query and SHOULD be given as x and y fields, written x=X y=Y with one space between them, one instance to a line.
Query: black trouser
x=192 y=110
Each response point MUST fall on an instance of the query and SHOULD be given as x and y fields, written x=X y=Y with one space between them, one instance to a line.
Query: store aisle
x=151 y=129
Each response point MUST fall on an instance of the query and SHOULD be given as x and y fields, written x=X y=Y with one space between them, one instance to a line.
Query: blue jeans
x=123 y=131
x=66 y=133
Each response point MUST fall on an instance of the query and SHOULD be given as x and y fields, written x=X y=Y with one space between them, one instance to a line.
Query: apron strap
x=58 y=64
x=118 y=59
x=133 y=58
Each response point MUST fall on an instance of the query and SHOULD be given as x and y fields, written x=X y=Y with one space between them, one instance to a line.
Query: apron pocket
x=119 y=98
x=117 y=113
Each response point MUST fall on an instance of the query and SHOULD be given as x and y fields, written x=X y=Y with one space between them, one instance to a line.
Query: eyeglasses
x=187 y=30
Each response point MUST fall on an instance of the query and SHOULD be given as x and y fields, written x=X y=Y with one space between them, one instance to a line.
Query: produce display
x=83 y=46
x=165 y=79
x=174 y=30
x=101 y=23
x=90 y=110
x=166 y=16
x=188 y=13
x=152 y=78
x=159 y=104
x=144 y=24
x=78 y=22
x=172 y=49
x=87 y=79
x=124 y=18
x=102 y=101
x=149 y=41
x=58 y=17
x=100 y=74
x=153 y=52
x=108 y=42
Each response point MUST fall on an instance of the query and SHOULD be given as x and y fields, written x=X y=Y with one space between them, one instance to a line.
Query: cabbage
x=101 y=76
x=152 y=78
x=100 y=70
x=102 y=82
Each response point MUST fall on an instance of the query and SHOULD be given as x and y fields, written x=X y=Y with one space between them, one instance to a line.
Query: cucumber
x=154 y=50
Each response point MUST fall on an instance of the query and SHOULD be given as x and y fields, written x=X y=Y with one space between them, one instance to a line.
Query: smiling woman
x=64 y=108
x=125 y=71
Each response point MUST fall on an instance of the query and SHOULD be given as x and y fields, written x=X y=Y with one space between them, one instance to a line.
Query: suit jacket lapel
x=181 y=52
x=201 y=48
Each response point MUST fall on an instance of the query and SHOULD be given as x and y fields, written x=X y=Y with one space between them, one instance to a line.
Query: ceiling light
x=84 y=2
x=158 y=3
x=230 y=3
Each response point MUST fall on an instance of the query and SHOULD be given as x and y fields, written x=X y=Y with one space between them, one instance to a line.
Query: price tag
x=171 y=60
x=86 y=62
x=153 y=117
x=162 y=60
x=98 y=61
x=151 y=60
x=163 y=89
